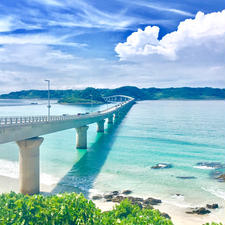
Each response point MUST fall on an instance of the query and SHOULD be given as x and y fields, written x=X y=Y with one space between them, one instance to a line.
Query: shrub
x=71 y=209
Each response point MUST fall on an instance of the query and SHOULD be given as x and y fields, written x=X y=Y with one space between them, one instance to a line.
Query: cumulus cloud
x=193 y=55
x=204 y=31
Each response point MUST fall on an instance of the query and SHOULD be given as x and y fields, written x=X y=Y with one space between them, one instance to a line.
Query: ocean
x=189 y=136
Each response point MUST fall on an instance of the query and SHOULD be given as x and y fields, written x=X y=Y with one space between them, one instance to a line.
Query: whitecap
x=204 y=167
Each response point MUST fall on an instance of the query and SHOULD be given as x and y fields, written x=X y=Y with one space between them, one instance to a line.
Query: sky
x=108 y=44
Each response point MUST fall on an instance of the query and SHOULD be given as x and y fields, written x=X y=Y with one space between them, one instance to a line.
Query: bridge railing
x=7 y=121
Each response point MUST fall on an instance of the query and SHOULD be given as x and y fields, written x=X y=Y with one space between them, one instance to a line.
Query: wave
x=11 y=169
x=217 y=192
x=205 y=167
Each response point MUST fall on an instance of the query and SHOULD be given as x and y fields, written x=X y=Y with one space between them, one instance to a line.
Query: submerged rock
x=187 y=178
x=162 y=166
x=126 y=192
x=213 y=206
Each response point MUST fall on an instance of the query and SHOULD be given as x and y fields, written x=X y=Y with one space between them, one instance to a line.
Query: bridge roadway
x=25 y=131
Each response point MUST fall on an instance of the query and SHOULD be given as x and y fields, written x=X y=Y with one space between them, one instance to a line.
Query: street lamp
x=49 y=106
x=91 y=102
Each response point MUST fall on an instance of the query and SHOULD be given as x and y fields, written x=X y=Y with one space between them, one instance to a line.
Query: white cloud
x=162 y=8
x=49 y=2
x=37 y=39
x=5 y=24
x=193 y=55
x=204 y=31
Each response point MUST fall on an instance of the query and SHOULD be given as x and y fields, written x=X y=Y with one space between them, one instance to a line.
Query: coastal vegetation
x=72 y=208
x=95 y=96
x=68 y=209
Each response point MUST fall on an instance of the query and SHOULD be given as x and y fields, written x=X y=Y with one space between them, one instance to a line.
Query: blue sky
x=77 y=43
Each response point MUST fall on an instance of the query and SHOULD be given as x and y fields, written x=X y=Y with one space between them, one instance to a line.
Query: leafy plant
x=68 y=209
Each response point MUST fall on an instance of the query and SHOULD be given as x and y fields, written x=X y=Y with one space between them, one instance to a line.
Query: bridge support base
x=29 y=171
x=110 y=120
x=100 y=126
x=81 y=137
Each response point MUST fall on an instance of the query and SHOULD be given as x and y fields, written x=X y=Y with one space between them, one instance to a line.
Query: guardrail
x=9 y=121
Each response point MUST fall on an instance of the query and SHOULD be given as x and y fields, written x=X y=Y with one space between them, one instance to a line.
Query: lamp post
x=91 y=102
x=49 y=106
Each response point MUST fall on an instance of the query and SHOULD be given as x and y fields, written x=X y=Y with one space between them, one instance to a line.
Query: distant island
x=95 y=96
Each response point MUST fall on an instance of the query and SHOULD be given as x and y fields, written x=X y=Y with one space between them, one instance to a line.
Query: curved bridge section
x=25 y=131
x=117 y=98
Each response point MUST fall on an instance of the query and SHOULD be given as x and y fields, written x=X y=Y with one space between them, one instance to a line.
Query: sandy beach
x=178 y=215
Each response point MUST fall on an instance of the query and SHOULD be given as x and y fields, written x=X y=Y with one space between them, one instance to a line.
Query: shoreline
x=177 y=213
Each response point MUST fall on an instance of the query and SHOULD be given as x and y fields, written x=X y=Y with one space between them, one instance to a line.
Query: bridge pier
x=110 y=119
x=29 y=171
x=81 y=137
x=100 y=126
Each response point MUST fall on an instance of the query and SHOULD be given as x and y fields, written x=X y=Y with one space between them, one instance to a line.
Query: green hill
x=95 y=96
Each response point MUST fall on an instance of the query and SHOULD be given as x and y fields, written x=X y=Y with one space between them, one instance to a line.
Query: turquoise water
x=181 y=133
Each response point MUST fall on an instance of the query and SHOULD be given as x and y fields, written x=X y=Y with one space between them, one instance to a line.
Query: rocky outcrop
x=212 y=206
x=152 y=201
x=126 y=192
x=199 y=211
x=97 y=197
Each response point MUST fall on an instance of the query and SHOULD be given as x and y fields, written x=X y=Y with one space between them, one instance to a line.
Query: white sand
x=178 y=215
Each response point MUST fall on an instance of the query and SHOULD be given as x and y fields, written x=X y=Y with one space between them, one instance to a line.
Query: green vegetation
x=213 y=223
x=71 y=209
x=95 y=96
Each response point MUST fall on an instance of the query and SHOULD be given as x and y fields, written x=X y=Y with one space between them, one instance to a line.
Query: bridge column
x=100 y=126
x=29 y=171
x=81 y=137
x=110 y=119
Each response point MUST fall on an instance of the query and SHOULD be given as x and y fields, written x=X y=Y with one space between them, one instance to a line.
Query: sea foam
x=11 y=169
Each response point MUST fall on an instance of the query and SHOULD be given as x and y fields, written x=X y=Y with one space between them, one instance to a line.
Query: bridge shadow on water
x=82 y=175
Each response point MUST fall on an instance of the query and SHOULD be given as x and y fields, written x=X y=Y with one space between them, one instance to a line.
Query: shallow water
x=181 y=133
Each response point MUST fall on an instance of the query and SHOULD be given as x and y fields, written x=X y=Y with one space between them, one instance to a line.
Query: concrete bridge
x=26 y=132
x=116 y=98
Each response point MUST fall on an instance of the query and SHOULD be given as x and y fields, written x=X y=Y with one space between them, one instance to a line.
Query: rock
x=186 y=178
x=115 y=192
x=126 y=192
x=221 y=177
x=213 y=206
x=147 y=206
x=152 y=201
x=162 y=166
x=97 y=197
x=199 y=211
x=139 y=204
x=108 y=197
x=165 y=215
x=118 y=198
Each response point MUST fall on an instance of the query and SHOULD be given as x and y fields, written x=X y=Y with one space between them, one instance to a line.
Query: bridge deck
x=20 y=128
